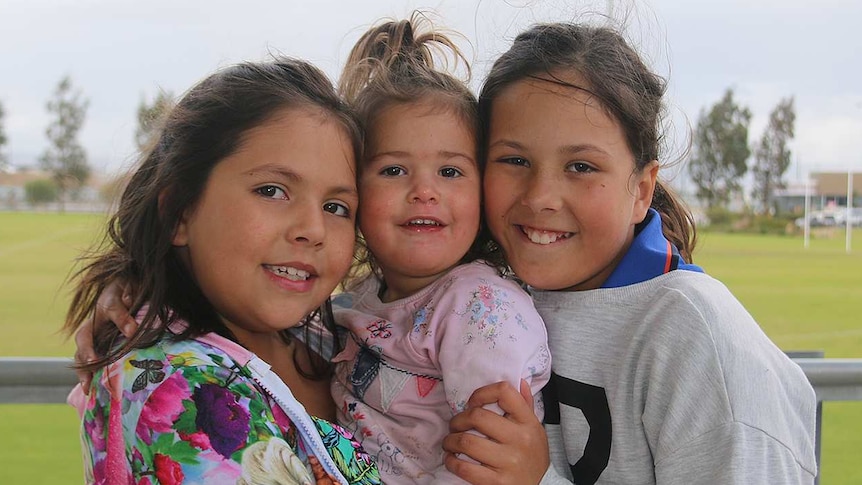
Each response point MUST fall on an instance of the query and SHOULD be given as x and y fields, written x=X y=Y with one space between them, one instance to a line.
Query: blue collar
x=649 y=256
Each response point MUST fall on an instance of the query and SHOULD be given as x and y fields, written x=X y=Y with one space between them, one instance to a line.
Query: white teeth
x=545 y=237
x=423 y=222
x=290 y=272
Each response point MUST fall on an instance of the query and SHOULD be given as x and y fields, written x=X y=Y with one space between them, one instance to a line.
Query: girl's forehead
x=569 y=85
x=570 y=88
x=421 y=107
x=394 y=115
x=539 y=112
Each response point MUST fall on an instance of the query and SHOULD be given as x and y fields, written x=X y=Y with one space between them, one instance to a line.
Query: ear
x=643 y=191
x=181 y=232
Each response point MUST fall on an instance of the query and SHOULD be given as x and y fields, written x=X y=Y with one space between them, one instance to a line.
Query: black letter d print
x=593 y=402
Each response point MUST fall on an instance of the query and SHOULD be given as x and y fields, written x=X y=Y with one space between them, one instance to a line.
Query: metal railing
x=49 y=380
x=42 y=380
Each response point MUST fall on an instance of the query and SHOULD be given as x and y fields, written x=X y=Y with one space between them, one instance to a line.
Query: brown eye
x=451 y=172
x=272 y=192
x=580 y=167
x=337 y=209
x=518 y=161
x=392 y=171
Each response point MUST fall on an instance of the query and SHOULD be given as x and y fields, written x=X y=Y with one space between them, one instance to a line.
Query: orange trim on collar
x=669 y=257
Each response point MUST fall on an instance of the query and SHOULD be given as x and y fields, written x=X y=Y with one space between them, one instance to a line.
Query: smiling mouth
x=423 y=223
x=543 y=237
x=289 y=272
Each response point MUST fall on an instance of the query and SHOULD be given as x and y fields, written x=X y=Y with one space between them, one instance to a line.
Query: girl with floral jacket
x=236 y=227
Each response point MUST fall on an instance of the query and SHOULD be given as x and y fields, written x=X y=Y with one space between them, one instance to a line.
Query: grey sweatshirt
x=671 y=381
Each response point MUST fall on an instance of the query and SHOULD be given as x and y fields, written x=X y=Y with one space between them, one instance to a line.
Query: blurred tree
x=772 y=155
x=65 y=158
x=150 y=117
x=41 y=191
x=111 y=191
x=720 y=151
x=4 y=158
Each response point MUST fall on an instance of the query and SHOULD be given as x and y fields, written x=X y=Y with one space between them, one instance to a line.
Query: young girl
x=429 y=320
x=659 y=374
x=238 y=223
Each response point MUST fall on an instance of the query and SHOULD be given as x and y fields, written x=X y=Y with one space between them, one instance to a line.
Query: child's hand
x=111 y=307
x=516 y=450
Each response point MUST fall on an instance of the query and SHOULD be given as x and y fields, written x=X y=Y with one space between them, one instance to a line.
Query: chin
x=540 y=281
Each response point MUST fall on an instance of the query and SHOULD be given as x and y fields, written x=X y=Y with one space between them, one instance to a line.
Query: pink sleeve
x=489 y=331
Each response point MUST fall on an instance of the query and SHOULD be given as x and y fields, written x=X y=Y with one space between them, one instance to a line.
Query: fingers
x=514 y=448
x=489 y=452
x=474 y=473
x=85 y=353
x=514 y=403
x=526 y=392
x=499 y=429
x=125 y=322
x=479 y=419
x=113 y=306
x=499 y=463
x=127 y=295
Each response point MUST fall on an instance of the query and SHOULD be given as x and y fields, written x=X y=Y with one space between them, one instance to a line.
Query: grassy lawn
x=37 y=251
x=804 y=299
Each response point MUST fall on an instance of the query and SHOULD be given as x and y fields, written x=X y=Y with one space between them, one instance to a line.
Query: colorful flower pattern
x=486 y=311
x=188 y=413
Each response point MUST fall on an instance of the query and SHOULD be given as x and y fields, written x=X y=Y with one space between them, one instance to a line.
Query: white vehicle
x=855 y=215
x=822 y=218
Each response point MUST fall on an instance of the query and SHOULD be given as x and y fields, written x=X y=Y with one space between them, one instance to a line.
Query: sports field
x=804 y=299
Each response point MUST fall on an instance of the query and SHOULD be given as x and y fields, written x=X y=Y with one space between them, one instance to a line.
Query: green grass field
x=804 y=299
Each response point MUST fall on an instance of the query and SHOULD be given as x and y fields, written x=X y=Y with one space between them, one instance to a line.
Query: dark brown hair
x=394 y=63
x=615 y=74
x=207 y=125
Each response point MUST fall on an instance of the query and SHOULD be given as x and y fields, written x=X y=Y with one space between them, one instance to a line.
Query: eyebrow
x=274 y=170
x=583 y=147
x=291 y=176
x=507 y=144
x=564 y=150
x=445 y=154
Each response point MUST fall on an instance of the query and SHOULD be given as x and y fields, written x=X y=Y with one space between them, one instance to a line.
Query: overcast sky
x=119 y=52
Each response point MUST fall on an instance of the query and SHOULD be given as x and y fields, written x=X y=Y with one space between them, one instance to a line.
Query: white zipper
x=279 y=391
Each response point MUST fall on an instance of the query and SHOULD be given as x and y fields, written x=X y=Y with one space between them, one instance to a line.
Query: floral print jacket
x=207 y=411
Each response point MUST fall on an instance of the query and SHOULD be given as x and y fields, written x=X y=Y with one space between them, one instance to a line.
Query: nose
x=542 y=192
x=307 y=226
x=423 y=190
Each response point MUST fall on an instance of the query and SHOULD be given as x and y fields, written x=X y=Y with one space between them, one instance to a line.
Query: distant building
x=827 y=190
x=12 y=194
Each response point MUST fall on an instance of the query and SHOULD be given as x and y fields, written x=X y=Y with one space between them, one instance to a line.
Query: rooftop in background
x=834 y=183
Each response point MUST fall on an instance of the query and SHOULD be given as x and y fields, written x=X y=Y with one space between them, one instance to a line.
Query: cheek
x=341 y=248
x=497 y=191
x=368 y=211
x=375 y=198
x=473 y=204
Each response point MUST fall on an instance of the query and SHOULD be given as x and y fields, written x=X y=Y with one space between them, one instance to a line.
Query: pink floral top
x=195 y=412
x=410 y=365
